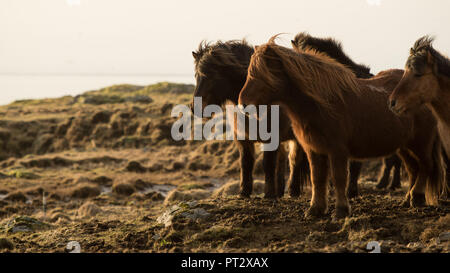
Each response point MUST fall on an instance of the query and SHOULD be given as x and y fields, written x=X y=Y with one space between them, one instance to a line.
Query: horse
x=220 y=72
x=336 y=117
x=333 y=48
x=426 y=81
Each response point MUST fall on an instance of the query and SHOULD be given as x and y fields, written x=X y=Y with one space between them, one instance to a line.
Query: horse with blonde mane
x=337 y=117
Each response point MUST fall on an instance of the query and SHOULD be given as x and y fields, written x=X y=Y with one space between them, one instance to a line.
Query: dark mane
x=332 y=48
x=418 y=56
x=221 y=56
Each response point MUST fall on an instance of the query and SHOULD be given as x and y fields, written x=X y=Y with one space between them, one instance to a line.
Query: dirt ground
x=101 y=169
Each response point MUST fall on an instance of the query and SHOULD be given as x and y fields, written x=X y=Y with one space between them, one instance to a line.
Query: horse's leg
x=339 y=175
x=355 y=170
x=383 y=181
x=319 y=173
x=280 y=172
x=417 y=193
x=431 y=177
x=270 y=165
x=247 y=161
x=412 y=168
x=396 y=184
x=299 y=169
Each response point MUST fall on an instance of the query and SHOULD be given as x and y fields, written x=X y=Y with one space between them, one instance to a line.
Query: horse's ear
x=411 y=51
x=256 y=47
x=194 y=54
x=293 y=42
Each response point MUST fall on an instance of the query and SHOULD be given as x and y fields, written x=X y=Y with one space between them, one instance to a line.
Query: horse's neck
x=302 y=110
x=238 y=83
x=441 y=106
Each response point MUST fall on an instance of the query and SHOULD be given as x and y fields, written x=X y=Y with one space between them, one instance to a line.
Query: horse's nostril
x=393 y=103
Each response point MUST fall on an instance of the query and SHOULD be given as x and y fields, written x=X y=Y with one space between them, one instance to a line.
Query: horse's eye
x=417 y=75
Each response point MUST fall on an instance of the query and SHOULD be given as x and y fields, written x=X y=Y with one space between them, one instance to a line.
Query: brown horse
x=335 y=117
x=220 y=71
x=333 y=48
x=426 y=81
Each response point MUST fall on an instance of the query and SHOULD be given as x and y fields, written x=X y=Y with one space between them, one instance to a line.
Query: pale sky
x=157 y=36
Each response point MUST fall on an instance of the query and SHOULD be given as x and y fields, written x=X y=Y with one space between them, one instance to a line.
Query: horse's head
x=266 y=81
x=419 y=84
x=220 y=71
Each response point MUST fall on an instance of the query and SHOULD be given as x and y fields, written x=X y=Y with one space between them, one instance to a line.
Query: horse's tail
x=436 y=184
x=446 y=189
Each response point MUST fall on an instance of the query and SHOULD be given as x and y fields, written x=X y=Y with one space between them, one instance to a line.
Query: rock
x=123 y=188
x=167 y=217
x=186 y=210
x=6 y=244
x=177 y=195
x=88 y=209
x=233 y=188
x=25 y=224
x=196 y=214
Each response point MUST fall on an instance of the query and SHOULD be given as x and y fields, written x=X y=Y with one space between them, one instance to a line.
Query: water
x=17 y=87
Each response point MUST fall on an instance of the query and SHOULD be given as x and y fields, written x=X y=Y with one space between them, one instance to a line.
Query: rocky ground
x=101 y=169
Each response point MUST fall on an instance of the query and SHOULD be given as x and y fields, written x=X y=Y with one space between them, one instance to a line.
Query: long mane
x=317 y=75
x=333 y=48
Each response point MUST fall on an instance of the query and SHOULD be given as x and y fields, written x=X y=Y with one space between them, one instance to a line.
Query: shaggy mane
x=418 y=56
x=314 y=73
x=222 y=55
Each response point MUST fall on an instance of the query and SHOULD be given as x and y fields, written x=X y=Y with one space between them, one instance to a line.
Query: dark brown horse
x=303 y=41
x=426 y=81
x=220 y=71
x=335 y=117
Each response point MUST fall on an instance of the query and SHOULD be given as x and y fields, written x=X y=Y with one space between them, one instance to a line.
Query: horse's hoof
x=342 y=212
x=244 y=195
x=352 y=193
x=405 y=203
x=418 y=200
x=294 y=194
x=270 y=196
x=382 y=184
x=393 y=188
x=315 y=211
